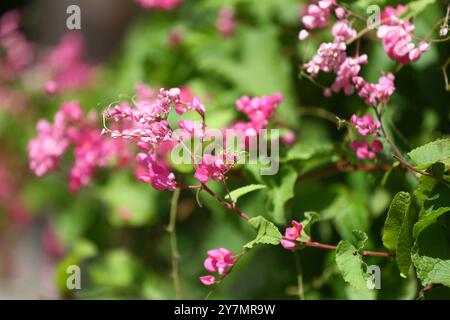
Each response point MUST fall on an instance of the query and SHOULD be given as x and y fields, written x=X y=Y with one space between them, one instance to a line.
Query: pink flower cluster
x=225 y=22
x=332 y=57
x=258 y=110
x=365 y=150
x=396 y=36
x=375 y=93
x=291 y=234
x=317 y=16
x=366 y=127
x=159 y=4
x=72 y=128
x=218 y=260
x=64 y=67
x=14 y=48
x=214 y=167
x=146 y=123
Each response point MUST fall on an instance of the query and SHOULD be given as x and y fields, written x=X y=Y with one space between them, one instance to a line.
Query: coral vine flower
x=291 y=234
x=72 y=128
x=375 y=93
x=146 y=123
x=396 y=36
x=225 y=23
x=218 y=260
x=259 y=109
x=208 y=280
x=64 y=66
x=15 y=50
x=214 y=167
x=159 y=4
x=317 y=16
x=366 y=125
x=364 y=150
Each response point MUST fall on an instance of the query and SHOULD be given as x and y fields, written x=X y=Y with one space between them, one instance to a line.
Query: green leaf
x=302 y=151
x=396 y=214
x=425 y=187
x=361 y=239
x=431 y=255
x=282 y=192
x=428 y=219
x=310 y=219
x=236 y=194
x=349 y=212
x=405 y=242
x=426 y=155
x=417 y=7
x=267 y=232
x=350 y=264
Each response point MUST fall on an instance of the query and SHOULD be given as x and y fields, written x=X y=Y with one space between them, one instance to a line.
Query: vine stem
x=398 y=155
x=313 y=244
x=225 y=203
x=298 y=265
x=319 y=245
x=171 y=229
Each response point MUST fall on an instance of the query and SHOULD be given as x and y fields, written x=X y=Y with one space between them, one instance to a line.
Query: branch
x=171 y=229
x=313 y=244
x=245 y=217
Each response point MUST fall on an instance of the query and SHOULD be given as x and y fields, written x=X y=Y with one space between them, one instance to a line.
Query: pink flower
x=397 y=38
x=366 y=125
x=291 y=234
x=317 y=16
x=375 y=93
x=288 y=138
x=159 y=4
x=219 y=260
x=213 y=167
x=15 y=50
x=208 y=280
x=303 y=34
x=225 y=23
x=154 y=167
x=366 y=151
x=259 y=109
x=329 y=58
x=71 y=128
x=192 y=128
x=348 y=70
x=48 y=147
x=342 y=31
x=176 y=36
x=146 y=123
x=64 y=66
x=340 y=12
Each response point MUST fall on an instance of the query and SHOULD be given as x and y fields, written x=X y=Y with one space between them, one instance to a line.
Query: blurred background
x=115 y=227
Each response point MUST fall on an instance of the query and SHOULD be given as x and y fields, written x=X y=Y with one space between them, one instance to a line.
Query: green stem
x=171 y=229
x=298 y=265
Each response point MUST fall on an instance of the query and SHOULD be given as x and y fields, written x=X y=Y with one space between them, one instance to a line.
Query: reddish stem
x=313 y=244
x=331 y=247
